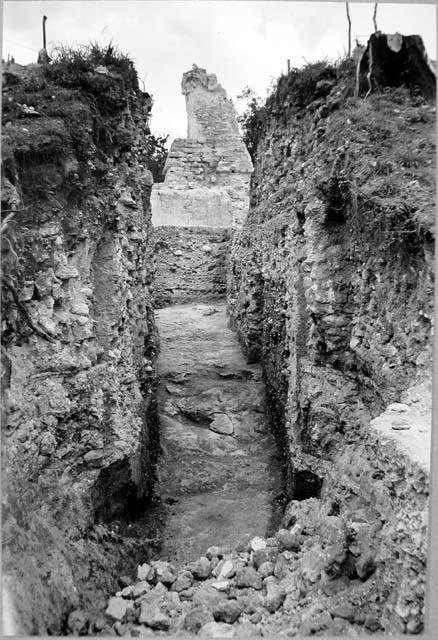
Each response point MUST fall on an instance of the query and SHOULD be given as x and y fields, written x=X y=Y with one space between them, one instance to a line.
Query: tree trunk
x=395 y=60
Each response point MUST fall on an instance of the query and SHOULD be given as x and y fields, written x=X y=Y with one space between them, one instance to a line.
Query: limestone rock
x=124 y=580
x=217 y=630
x=208 y=595
x=398 y=407
x=197 y=618
x=281 y=567
x=201 y=569
x=127 y=200
x=252 y=601
x=26 y=292
x=187 y=594
x=365 y=565
x=95 y=456
x=225 y=570
x=275 y=594
x=77 y=621
x=221 y=585
x=159 y=591
x=183 y=581
x=266 y=569
x=287 y=540
x=257 y=543
x=47 y=444
x=63 y=272
x=346 y=611
x=152 y=616
x=144 y=572
x=164 y=572
x=227 y=611
x=248 y=577
x=99 y=623
x=140 y=588
x=127 y=592
x=214 y=552
x=261 y=556
x=222 y=424
x=116 y=608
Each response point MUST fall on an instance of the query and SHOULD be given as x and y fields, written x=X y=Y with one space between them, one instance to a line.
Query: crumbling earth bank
x=331 y=286
x=79 y=427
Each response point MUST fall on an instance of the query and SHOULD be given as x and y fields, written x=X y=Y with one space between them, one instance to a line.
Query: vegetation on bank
x=313 y=101
x=77 y=67
x=76 y=102
x=291 y=93
x=157 y=155
x=72 y=66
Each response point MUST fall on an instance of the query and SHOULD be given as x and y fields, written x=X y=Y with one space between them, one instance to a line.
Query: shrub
x=157 y=155
x=301 y=86
x=292 y=93
x=77 y=68
x=70 y=65
x=252 y=120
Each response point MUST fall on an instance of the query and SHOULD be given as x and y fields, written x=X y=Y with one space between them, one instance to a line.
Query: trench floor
x=218 y=473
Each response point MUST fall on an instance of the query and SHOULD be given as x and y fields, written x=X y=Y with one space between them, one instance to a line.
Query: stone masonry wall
x=331 y=286
x=205 y=193
x=206 y=175
x=79 y=427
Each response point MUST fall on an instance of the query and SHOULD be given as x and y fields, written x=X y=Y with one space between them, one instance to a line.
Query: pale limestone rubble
x=207 y=174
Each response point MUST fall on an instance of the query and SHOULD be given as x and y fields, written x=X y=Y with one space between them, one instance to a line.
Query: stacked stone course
x=206 y=187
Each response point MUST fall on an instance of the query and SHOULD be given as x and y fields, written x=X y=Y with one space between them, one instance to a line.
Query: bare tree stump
x=392 y=60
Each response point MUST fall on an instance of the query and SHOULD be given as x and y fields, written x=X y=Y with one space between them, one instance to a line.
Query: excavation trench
x=347 y=304
x=219 y=473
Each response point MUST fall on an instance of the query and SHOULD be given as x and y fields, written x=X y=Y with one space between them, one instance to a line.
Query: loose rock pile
x=314 y=577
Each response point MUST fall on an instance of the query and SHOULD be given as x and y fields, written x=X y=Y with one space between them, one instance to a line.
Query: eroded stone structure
x=207 y=173
x=204 y=197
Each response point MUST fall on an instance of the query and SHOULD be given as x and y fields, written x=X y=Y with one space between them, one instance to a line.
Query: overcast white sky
x=245 y=43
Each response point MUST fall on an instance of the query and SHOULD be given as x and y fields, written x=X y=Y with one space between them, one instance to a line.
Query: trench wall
x=331 y=287
x=79 y=341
